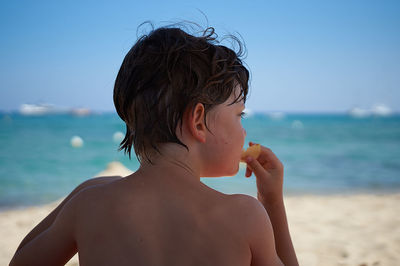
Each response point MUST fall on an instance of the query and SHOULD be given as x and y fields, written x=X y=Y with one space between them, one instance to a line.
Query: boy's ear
x=195 y=122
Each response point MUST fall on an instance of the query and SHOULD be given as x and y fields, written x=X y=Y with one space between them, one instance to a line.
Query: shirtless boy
x=182 y=98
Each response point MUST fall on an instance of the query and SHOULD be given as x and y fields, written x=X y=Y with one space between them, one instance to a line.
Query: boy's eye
x=242 y=114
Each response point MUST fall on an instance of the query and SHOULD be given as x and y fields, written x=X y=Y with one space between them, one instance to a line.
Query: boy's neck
x=173 y=160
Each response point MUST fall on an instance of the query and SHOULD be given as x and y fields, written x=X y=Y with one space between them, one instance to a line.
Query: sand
x=362 y=229
x=345 y=230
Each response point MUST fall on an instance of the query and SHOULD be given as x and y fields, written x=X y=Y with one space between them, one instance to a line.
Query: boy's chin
x=234 y=171
x=221 y=171
x=224 y=173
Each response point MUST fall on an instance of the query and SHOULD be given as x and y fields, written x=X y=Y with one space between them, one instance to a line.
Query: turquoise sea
x=322 y=153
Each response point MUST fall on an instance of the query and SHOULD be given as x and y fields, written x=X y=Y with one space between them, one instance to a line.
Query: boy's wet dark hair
x=165 y=73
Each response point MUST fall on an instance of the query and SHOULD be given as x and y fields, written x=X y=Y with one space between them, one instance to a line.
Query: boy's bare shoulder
x=100 y=180
x=246 y=204
x=248 y=209
x=94 y=191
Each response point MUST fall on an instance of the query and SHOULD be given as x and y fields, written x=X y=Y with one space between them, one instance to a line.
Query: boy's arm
x=269 y=176
x=55 y=245
x=260 y=233
x=48 y=221
x=283 y=241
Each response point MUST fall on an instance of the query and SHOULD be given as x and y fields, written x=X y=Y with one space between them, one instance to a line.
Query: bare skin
x=163 y=215
x=154 y=219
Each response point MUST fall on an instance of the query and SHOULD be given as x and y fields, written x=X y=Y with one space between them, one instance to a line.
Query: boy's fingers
x=254 y=165
x=268 y=156
x=248 y=172
x=266 y=159
x=266 y=150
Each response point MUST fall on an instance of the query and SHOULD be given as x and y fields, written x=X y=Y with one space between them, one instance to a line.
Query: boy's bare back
x=155 y=221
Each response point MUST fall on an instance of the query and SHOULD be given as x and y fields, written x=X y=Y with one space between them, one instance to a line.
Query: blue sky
x=304 y=56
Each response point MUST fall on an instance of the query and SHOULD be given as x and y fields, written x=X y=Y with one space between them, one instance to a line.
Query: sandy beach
x=361 y=229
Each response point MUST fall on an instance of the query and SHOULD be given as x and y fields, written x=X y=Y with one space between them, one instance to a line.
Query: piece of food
x=252 y=151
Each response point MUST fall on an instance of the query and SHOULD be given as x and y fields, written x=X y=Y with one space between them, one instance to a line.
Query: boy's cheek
x=244 y=134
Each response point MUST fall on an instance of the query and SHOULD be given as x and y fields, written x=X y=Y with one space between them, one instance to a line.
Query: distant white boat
x=80 y=111
x=276 y=115
x=381 y=110
x=358 y=112
x=34 y=109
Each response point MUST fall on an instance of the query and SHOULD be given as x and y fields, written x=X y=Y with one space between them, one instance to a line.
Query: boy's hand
x=268 y=170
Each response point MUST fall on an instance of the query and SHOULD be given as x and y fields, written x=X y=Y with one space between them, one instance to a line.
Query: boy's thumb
x=254 y=165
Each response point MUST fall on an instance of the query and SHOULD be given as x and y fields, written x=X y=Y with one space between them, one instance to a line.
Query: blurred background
x=324 y=94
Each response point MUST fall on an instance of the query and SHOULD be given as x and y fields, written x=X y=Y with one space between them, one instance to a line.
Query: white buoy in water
x=297 y=124
x=118 y=136
x=76 y=142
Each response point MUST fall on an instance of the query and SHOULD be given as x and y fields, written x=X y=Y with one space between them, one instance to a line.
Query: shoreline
x=357 y=229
